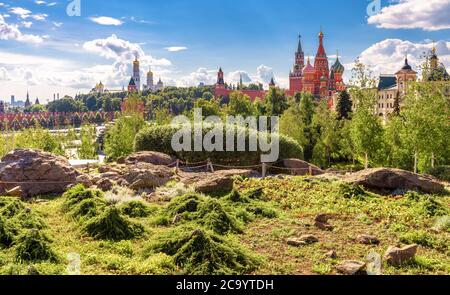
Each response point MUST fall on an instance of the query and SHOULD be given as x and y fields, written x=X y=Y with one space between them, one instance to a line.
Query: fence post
x=264 y=170
x=310 y=171
x=177 y=166
x=88 y=170
x=210 y=166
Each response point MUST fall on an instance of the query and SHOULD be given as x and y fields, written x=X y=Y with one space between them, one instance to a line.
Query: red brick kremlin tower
x=295 y=76
x=318 y=80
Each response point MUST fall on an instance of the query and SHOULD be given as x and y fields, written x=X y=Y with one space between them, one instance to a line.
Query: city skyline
x=45 y=51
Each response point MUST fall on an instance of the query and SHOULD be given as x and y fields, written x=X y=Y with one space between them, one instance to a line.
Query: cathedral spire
x=321 y=49
x=299 y=47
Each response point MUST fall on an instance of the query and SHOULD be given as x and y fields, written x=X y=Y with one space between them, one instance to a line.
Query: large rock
x=368 y=240
x=154 y=158
x=352 y=267
x=388 y=180
x=36 y=172
x=397 y=256
x=147 y=176
x=301 y=168
x=302 y=241
x=219 y=181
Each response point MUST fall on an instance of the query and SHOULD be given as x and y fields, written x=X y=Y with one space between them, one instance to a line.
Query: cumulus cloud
x=387 y=56
x=202 y=75
x=264 y=73
x=21 y=12
x=234 y=77
x=27 y=24
x=106 y=21
x=12 y=32
x=122 y=50
x=430 y=15
x=176 y=48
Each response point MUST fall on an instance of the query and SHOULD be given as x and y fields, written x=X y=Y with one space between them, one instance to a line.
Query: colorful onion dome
x=338 y=67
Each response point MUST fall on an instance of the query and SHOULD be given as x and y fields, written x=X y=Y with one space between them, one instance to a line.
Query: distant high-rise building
x=2 y=107
x=13 y=100
x=136 y=74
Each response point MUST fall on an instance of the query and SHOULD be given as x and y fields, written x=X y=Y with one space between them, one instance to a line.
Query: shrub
x=119 y=138
x=352 y=191
x=135 y=209
x=77 y=194
x=34 y=246
x=432 y=207
x=204 y=211
x=87 y=208
x=6 y=234
x=111 y=225
x=10 y=207
x=159 y=138
x=200 y=252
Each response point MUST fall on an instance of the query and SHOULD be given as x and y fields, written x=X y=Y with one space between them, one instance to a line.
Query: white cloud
x=27 y=24
x=122 y=50
x=39 y=2
x=176 y=48
x=52 y=4
x=57 y=24
x=21 y=12
x=264 y=73
x=106 y=21
x=388 y=56
x=12 y=32
x=41 y=16
x=429 y=15
x=202 y=75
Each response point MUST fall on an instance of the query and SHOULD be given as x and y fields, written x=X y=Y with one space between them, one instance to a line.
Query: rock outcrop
x=36 y=173
x=219 y=181
x=154 y=158
x=397 y=256
x=387 y=180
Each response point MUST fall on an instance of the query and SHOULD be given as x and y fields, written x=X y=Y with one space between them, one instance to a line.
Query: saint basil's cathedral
x=319 y=79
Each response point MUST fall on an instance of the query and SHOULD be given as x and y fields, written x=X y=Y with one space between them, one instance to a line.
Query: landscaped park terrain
x=143 y=217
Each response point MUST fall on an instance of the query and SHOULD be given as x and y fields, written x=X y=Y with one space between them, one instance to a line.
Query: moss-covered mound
x=32 y=246
x=6 y=233
x=111 y=225
x=14 y=219
x=205 y=211
x=200 y=252
x=136 y=209
x=88 y=208
x=79 y=193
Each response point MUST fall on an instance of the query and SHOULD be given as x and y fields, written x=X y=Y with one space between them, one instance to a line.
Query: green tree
x=240 y=104
x=426 y=111
x=344 y=106
x=366 y=129
x=276 y=102
x=88 y=148
x=119 y=139
x=107 y=104
x=327 y=135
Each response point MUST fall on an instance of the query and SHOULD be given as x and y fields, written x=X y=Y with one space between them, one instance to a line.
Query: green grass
x=243 y=232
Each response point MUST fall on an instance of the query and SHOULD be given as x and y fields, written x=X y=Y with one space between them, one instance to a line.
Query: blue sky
x=46 y=51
